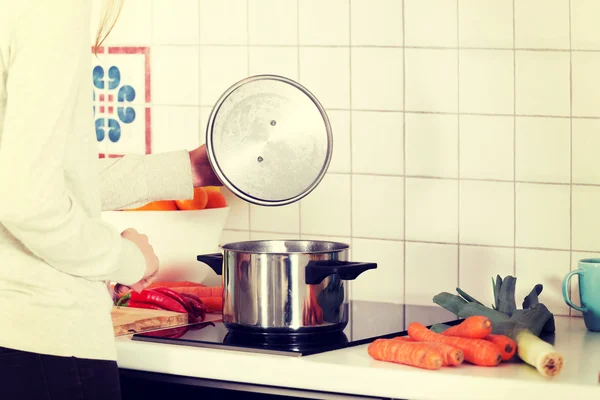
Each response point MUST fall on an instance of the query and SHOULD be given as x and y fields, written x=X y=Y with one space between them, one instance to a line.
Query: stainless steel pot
x=279 y=286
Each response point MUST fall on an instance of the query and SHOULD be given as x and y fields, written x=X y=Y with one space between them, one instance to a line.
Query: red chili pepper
x=191 y=296
x=175 y=296
x=157 y=299
x=197 y=305
x=134 y=304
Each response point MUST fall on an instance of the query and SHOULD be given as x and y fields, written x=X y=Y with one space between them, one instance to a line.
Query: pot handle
x=316 y=271
x=214 y=261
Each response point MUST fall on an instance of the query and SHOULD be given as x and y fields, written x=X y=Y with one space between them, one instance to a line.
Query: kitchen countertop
x=352 y=371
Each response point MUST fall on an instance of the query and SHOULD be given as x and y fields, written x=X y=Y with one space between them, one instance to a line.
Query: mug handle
x=565 y=290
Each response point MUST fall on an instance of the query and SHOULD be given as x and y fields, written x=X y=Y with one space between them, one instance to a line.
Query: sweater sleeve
x=49 y=64
x=134 y=180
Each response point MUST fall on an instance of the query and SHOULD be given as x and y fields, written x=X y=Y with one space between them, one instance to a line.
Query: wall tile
x=204 y=117
x=377 y=79
x=430 y=269
x=486 y=81
x=326 y=73
x=254 y=235
x=175 y=72
x=340 y=239
x=586 y=141
x=432 y=210
x=431 y=80
x=484 y=205
x=586 y=218
x=222 y=66
x=376 y=23
x=134 y=26
x=229 y=236
x=585 y=34
x=283 y=219
x=486 y=147
x=542 y=83
x=340 y=126
x=324 y=22
x=176 y=24
x=551 y=27
x=239 y=214
x=486 y=24
x=543 y=149
x=421 y=15
x=326 y=211
x=432 y=145
x=386 y=282
x=175 y=128
x=377 y=207
x=543 y=216
x=273 y=22
x=377 y=142
x=132 y=139
x=586 y=84
x=478 y=265
x=274 y=61
x=545 y=267
x=223 y=22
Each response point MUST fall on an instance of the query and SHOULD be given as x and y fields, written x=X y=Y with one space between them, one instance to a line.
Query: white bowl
x=178 y=237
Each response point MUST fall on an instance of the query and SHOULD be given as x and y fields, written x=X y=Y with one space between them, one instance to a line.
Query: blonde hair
x=111 y=13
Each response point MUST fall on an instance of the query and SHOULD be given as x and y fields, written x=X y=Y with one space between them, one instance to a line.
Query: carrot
x=213 y=304
x=507 y=346
x=450 y=354
x=403 y=352
x=476 y=351
x=473 y=327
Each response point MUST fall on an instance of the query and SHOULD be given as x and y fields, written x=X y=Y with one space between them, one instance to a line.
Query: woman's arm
x=48 y=68
x=134 y=180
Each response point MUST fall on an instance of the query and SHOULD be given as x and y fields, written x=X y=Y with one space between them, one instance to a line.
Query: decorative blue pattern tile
x=121 y=80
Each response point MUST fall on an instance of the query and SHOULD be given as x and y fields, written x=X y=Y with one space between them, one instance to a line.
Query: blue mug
x=589 y=292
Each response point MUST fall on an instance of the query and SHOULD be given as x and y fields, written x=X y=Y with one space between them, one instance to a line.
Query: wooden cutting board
x=135 y=320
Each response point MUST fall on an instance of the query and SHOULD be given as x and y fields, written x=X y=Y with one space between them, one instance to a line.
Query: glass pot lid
x=269 y=140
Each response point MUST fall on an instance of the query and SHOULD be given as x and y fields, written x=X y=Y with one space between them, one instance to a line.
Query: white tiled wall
x=466 y=131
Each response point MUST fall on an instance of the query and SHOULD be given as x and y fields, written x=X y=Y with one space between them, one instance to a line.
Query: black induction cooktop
x=367 y=321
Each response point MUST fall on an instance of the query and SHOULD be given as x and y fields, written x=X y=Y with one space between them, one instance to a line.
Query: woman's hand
x=151 y=259
x=202 y=172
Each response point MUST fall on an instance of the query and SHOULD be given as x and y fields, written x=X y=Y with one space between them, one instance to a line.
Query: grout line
x=570 y=153
x=514 y=140
x=395 y=111
x=458 y=143
x=248 y=74
x=403 y=156
x=537 y=50
x=203 y=130
x=248 y=35
x=159 y=104
x=468 y=179
x=298 y=77
x=398 y=240
x=351 y=286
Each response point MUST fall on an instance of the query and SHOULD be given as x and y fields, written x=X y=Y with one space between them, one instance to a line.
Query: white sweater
x=56 y=253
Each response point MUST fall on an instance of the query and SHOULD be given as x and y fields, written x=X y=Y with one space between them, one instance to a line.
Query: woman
x=56 y=254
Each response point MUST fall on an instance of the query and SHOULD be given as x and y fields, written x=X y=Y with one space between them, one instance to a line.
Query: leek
x=538 y=353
